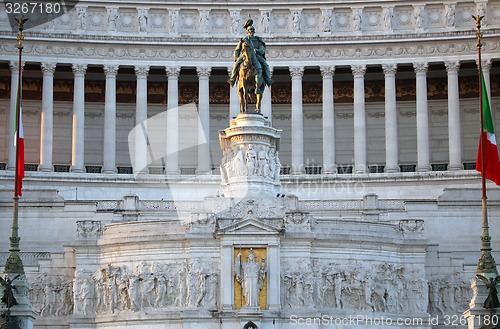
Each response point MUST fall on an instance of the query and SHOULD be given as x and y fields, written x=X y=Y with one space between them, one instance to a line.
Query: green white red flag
x=491 y=161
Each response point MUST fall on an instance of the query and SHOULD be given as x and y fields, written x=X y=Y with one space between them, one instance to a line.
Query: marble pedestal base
x=250 y=166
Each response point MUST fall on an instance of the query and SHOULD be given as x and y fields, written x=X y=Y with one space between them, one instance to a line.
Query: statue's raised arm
x=250 y=68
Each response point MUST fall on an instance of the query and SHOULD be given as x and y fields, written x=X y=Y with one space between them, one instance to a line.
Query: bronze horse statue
x=250 y=81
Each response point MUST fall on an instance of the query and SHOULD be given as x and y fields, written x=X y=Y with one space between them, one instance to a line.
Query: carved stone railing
x=185 y=35
x=28 y=258
x=296 y=19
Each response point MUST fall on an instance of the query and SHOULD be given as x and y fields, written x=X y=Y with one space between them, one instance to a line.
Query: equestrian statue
x=250 y=69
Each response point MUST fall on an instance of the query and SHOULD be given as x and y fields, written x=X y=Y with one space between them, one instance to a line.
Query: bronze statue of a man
x=259 y=47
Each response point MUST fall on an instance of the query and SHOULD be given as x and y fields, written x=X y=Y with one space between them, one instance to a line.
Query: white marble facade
x=114 y=250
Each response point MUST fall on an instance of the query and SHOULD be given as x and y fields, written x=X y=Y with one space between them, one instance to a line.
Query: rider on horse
x=259 y=48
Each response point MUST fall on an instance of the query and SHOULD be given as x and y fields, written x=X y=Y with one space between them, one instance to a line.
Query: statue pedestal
x=477 y=316
x=24 y=316
x=250 y=165
x=21 y=314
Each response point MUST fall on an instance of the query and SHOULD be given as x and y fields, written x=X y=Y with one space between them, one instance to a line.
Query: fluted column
x=173 y=121
x=328 y=120
x=204 y=161
x=47 y=120
x=267 y=107
x=454 y=124
x=141 y=115
x=14 y=80
x=78 y=134
x=423 y=149
x=109 y=155
x=297 y=121
x=358 y=72
x=391 y=119
x=234 y=100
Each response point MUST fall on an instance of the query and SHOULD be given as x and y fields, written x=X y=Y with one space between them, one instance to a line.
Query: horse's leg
x=258 y=96
x=241 y=94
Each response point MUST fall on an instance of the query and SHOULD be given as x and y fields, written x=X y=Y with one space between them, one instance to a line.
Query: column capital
x=485 y=64
x=14 y=65
x=110 y=70
x=296 y=72
x=141 y=71
x=203 y=72
x=48 y=68
x=420 y=68
x=358 y=71
x=79 y=69
x=173 y=71
x=390 y=69
x=452 y=66
x=327 y=71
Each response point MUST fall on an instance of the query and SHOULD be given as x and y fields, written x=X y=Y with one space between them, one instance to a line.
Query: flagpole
x=486 y=263
x=14 y=264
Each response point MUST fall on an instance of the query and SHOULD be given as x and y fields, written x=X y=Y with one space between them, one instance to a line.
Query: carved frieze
x=146 y=286
x=352 y=286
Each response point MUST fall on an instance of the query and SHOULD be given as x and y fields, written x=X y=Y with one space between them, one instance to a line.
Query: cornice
x=277 y=54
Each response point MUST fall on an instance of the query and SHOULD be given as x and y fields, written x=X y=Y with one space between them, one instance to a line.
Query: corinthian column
x=47 y=127
x=14 y=80
x=391 y=119
x=358 y=72
x=109 y=155
x=328 y=120
x=173 y=121
x=78 y=139
x=454 y=124
x=423 y=150
x=204 y=161
x=141 y=115
x=297 y=121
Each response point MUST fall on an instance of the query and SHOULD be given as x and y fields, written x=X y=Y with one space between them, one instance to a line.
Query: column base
x=45 y=168
x=424 y=168
x=329 y=170
x=77 y=170
x=455 y=167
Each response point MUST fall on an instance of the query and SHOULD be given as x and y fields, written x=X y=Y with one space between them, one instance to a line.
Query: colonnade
x=297 y=115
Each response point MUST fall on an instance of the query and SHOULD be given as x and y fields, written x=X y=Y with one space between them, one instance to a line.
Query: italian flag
x=491 y=162
x=19 y=143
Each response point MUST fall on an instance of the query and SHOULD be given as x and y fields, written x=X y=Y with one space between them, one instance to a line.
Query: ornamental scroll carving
x=88 y=229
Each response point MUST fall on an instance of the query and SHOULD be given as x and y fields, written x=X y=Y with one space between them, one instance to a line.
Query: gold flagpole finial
x=479 y=34
x=20 y=36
